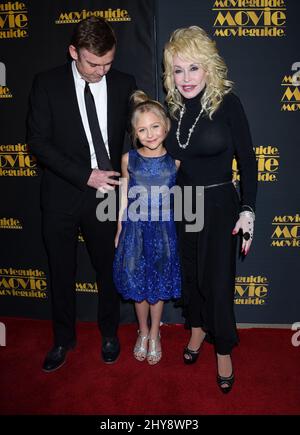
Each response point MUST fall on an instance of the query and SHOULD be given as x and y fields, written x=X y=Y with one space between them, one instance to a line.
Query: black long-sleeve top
x=213 y=144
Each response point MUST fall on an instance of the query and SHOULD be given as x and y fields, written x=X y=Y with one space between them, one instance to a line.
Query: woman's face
x=189 y=77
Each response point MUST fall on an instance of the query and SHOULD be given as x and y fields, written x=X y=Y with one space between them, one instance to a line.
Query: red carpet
x=266 y=366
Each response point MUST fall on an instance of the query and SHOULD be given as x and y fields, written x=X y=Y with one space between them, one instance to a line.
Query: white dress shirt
x=99 y=91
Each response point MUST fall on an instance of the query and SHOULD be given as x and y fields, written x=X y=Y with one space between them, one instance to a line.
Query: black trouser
x=61 y=239
x=208 y=262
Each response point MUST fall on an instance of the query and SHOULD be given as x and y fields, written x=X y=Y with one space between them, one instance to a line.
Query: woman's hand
x=246 y=224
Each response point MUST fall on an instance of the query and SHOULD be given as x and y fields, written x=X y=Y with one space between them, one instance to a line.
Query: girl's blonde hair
x=143 y=104
x=193 y=44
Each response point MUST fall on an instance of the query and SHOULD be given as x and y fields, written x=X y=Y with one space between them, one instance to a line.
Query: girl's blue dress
x=146 y=264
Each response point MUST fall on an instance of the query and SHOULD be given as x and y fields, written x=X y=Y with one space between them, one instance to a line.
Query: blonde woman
x=209 y=128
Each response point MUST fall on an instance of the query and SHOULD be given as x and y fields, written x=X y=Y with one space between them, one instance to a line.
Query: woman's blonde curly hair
x=193 y=44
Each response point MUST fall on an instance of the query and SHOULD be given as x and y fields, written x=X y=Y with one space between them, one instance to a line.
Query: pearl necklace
x=184 y=145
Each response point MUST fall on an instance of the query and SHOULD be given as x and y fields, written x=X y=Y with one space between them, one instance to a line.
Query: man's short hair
x=95 y=35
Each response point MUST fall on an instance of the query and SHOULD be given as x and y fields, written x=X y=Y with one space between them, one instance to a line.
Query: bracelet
x=250 y=208
x=249 y=214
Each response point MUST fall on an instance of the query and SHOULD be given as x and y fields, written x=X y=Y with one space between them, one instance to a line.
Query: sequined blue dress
x=146 y=264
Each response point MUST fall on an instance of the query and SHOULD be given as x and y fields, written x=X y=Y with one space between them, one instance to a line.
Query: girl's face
x=189 y=77
x=150 y=130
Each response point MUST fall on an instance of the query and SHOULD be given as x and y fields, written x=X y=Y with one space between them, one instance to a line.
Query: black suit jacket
x=57 y=138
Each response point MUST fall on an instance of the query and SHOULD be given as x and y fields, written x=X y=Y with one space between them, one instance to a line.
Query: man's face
x=90 y=66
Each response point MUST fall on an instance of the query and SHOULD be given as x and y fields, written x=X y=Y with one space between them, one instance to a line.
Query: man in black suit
x=67 y=106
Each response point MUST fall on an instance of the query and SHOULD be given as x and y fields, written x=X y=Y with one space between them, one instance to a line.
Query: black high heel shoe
x=192 y=355
x=222 y=381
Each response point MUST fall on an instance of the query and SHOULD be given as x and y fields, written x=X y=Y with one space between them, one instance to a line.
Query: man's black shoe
x=56 y=358
x=110 y=349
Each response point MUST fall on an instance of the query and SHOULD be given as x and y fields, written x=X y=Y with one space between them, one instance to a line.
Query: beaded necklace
x=184 y=145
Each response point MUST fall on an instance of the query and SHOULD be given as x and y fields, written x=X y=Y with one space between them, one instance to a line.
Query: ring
x=246 y=235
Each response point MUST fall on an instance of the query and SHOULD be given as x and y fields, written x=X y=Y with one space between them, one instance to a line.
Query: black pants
x=61 y=238
x=208 y=263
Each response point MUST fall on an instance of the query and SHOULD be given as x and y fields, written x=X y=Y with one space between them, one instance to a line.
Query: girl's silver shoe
x=154 y=355
x=140 y=348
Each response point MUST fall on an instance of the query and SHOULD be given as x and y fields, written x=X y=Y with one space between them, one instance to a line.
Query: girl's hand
x=118 y=235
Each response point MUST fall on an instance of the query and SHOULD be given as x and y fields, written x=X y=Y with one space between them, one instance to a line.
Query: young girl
x=146 y=266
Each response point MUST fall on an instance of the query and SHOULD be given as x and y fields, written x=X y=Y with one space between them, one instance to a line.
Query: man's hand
x=102 y=180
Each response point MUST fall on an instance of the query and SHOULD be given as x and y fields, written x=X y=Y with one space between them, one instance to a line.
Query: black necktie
x=101 y=153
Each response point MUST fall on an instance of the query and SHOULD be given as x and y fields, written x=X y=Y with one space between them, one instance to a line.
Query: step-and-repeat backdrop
x=257 y=38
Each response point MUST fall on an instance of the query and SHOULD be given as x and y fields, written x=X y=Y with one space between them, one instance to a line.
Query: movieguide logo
x=86 y=287
x=251 y=290
x=286 y=232
x=253 y=18
x=15 y=161
x=4 y=90
x=268 y=160
x=10 y=224
x=115 y=15
x=290 y=101
x=13 y=20
x=27 y=283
